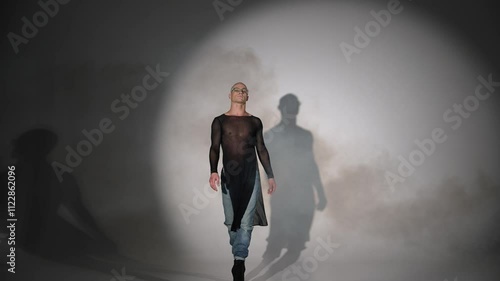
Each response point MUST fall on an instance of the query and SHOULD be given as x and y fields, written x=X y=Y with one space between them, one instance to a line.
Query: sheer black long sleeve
x=262 y=152
x=215 y=147
x=240 y=138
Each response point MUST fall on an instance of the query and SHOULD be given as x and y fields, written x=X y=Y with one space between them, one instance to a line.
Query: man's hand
x=272 y=186
x=214 y=181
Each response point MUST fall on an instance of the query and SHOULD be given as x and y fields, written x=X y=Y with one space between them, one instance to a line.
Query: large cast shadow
x=52 y=221
x=293 y=205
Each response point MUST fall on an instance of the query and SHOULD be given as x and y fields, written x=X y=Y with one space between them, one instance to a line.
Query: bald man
x=240 y=135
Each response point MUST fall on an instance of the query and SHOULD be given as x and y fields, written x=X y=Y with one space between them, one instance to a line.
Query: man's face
x=239 y=93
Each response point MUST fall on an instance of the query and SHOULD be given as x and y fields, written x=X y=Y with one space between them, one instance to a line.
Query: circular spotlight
x=375 y=101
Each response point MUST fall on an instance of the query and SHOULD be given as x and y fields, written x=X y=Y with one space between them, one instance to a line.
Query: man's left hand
x=272 y=186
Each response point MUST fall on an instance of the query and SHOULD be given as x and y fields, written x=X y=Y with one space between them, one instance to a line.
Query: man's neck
x=237 y=109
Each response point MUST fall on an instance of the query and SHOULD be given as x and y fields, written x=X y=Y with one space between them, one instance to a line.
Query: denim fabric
x=240 y=239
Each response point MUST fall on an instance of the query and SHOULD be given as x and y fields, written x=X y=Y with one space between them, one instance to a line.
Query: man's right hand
x=214 y=181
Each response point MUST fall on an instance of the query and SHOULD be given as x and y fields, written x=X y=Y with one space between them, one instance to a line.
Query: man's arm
x=214 y=153
x=264 y=158
x=262 y=151
x=215 y=147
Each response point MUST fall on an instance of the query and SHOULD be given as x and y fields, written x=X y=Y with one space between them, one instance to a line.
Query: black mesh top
x=240 y=137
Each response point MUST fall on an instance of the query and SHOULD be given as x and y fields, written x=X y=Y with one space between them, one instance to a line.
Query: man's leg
x=240 y=239
x=244 y=233
x=228 y=213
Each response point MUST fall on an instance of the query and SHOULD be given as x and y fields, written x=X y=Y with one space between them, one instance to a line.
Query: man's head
x=239 y=93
